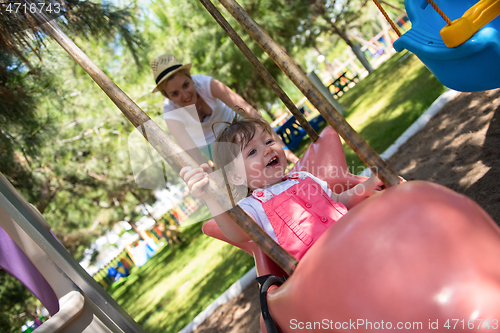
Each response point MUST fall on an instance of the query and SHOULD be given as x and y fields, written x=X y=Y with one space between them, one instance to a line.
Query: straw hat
x=165 y=66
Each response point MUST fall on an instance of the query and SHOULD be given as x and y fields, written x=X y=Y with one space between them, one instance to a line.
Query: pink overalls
x=301 y=214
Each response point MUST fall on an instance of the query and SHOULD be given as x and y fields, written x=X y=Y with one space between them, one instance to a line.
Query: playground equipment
x=292 y=133
x=415 y=252
x=461 y=30
x=343 y=83
x=118 y=272
x=417 y=246
x=470 y=61
x=418 y=253
x=32 y=254
x=123 y=259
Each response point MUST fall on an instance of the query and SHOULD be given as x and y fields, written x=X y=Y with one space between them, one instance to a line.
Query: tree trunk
x=157 y=224
x=355 y=47
x=402 y=11
x=324 y=90
x=47 y=195
x=136 y=230
x=268 y=111
x=328 y=65
x=361 y=57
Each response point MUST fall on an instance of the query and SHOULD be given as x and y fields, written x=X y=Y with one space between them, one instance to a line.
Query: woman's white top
x=254 y=206
x=201 y=133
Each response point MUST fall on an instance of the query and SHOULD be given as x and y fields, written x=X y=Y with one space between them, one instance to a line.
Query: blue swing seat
x=472 y=66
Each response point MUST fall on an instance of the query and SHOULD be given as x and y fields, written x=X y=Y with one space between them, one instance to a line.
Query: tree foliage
x=62 y=141
x=340 y=18
x=51 y=147
x=17 y=304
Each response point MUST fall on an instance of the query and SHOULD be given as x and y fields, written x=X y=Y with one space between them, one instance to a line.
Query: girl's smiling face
x=180 y=89
x=264 y=162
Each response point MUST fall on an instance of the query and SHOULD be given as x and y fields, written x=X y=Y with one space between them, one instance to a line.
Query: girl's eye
x=186 y=84
x=174 y=94
x=269 y=142
x=251 y=152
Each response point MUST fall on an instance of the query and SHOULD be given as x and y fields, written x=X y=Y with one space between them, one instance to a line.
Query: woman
x=194 y=100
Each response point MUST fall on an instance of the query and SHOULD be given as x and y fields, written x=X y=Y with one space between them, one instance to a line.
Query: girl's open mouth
x=273 y=162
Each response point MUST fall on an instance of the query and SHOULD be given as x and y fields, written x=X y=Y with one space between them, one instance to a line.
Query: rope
x=440 y=12
x=393 y=25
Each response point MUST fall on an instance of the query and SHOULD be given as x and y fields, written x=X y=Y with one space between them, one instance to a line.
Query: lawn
x=384 y=104
x=167 y=292
x=174 y=286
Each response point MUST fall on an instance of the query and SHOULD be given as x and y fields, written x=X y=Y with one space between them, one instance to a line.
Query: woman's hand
x=196 y=179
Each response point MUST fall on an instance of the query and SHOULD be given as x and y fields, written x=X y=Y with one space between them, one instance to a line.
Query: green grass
x=167 y=292
x=384 y=104
x=388 y=101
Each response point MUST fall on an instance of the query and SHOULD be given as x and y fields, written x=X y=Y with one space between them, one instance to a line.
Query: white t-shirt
x=254 y=207
x=201 y=133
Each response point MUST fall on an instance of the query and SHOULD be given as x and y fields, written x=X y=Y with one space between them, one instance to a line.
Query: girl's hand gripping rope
x=372 y=185
x=196 y=179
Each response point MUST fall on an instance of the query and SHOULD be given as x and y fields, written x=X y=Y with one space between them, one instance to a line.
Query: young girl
x=294 y=208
